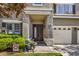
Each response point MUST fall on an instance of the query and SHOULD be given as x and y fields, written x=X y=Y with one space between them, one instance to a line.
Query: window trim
x=37 y=4
x=64 y=5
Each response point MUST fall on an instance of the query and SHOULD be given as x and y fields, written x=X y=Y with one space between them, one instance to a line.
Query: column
x=50 y=30
x=0 y=24
x=25 y=26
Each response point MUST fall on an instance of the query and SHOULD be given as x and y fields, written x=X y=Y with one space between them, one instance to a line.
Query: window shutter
x=73 y=9
x=54 y=6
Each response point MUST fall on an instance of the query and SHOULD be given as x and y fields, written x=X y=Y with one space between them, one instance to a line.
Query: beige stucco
x=65 y=22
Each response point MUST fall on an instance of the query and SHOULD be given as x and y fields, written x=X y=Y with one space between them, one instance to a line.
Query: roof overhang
x=66 y=16
x=38 y=12
x=11 y=21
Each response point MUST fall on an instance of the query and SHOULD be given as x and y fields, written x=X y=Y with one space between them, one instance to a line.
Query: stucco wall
x=66 y=22
x=77 y=8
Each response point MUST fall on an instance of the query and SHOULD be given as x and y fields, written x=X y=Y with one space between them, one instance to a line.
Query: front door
x=38 y=32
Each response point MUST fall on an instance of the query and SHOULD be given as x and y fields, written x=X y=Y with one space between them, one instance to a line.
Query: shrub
x=20 y=41
x=9 y=36
x=5 y=42
x=3 y=46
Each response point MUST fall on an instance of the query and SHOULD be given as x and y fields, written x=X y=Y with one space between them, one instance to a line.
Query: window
x=9 y=26
x=59 y=28
x=78 y=28
x=3 y=24
x=64 y=28
x=64 y=8
x=54 y=28
x=69 y=29
x=37 y=4
x=17 y=28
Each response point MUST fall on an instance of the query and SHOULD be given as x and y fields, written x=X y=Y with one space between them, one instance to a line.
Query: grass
x=36 y=54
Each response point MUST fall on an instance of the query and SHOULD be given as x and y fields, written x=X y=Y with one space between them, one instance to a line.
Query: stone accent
x=0 y=24
x=25 y=26
x=49 y=39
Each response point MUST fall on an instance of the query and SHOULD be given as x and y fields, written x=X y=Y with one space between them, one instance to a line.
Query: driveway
x=67 y=50
x=71 y=50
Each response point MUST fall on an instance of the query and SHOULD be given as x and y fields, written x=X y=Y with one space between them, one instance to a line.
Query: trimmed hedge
x=7 y=40
x=20 y=41
x=9 y=36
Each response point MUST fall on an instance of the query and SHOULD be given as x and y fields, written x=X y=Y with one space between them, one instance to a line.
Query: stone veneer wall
x=0 y=24
x=49 y=39
x=25 y=25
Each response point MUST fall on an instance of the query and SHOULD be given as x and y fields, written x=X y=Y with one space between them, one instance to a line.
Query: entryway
x=38 y=34
x=37 y=26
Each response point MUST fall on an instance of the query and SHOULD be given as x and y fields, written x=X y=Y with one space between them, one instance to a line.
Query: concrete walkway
x=66 y=50
x=45 y=49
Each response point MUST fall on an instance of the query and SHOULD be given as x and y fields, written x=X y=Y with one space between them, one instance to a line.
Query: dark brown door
x=38 y=32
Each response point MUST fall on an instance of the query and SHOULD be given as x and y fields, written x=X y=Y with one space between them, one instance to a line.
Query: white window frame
x=17 y=27
x=61 y=8
x=37 y=4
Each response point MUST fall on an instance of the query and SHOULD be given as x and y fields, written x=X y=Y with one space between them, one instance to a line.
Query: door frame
x=37 y=30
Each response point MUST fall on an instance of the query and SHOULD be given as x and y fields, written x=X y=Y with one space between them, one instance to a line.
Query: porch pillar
x=49 y=39
x=0 y=24
x=25 y=26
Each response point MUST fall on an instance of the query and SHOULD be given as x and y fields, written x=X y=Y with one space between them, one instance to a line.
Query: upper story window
x=37 y=4
x=64 y=9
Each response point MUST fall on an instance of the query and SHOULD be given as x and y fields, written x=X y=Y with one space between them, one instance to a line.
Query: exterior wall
x=30 y=29
x=77 y=8
x=43 y=10
x=66 y=22
x=48 y=28
x=45 y=5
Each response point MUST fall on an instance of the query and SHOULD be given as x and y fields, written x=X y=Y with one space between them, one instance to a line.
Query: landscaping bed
x=7 y=41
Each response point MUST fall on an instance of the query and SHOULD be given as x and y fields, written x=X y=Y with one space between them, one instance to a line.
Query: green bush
x=20 y=41
x=9 y=36
x=3 y=46
x=7 y=40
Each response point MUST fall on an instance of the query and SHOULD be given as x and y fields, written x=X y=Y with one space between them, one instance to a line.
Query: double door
x=38 y=32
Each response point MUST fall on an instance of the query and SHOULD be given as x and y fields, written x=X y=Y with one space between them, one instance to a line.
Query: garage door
x=62 y=35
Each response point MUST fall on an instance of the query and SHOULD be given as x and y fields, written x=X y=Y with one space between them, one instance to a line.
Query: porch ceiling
x=38 y=18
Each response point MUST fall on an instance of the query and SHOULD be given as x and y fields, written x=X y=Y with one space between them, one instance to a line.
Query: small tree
x=11 y=10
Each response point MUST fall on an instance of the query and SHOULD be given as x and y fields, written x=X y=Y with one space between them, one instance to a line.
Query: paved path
x=43 y=49
x=67 y=50
x=71 y=50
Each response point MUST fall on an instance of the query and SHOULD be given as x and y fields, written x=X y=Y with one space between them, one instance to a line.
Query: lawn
x=35 y=54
